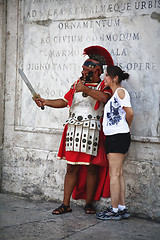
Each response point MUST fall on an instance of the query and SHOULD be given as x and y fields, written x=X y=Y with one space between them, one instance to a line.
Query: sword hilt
x=37 y=96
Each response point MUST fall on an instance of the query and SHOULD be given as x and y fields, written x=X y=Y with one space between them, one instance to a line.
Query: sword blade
x=28 y=84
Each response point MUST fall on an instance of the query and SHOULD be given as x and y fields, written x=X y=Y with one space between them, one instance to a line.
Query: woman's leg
x=70 y=182
x=122 y=189
x=115 y=167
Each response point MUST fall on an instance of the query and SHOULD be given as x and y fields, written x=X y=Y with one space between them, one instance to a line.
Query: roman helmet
x=98 y=56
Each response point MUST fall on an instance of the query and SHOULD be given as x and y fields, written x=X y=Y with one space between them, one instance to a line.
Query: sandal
x=62 y=209
x=89 y=209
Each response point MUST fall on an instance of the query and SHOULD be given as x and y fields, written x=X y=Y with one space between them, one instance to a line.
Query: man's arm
x=55 y=103
x=96 y=94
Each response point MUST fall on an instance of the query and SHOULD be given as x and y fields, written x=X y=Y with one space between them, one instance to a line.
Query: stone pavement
x=23 y=219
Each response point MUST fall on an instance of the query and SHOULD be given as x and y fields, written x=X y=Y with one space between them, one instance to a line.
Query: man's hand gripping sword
x=25 y=79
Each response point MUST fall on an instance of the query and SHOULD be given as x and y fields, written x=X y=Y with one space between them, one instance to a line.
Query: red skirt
x=83 y=159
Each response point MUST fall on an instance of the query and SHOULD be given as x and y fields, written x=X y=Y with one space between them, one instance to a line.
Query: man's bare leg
x=92 y=180
x=69 y=183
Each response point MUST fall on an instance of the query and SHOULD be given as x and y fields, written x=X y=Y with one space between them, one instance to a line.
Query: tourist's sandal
x=62 y=209
x=89 y=209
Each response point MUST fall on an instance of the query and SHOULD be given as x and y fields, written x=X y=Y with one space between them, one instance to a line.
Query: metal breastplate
x=83 y=125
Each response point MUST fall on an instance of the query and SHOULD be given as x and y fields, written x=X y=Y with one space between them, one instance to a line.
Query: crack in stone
x=45 y=23
x=156 y=16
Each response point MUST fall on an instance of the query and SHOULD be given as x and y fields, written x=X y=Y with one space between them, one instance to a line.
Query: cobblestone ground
x=23 y=219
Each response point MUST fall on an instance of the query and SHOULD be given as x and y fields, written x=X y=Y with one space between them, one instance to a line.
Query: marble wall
x=53 y=34
x=46 y=39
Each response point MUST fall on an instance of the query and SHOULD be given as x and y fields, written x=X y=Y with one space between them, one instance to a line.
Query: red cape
x=103 y=186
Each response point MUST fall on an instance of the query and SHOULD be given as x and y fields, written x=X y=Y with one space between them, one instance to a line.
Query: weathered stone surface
x=46 y=39
x=34 y=173
x=2 y=77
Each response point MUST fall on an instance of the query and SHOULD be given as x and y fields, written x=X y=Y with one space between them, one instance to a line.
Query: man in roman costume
x=82 y=143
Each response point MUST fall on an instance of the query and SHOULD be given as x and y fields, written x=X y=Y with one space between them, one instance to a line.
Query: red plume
x=100 y=54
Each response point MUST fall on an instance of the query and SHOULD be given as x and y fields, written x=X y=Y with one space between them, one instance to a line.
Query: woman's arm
x=129 y=115
x=128 y=110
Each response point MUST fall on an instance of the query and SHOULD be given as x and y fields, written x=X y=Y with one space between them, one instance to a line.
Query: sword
x=25 y=79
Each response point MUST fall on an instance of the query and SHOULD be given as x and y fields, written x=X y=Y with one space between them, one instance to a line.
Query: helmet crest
x=100 y=54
